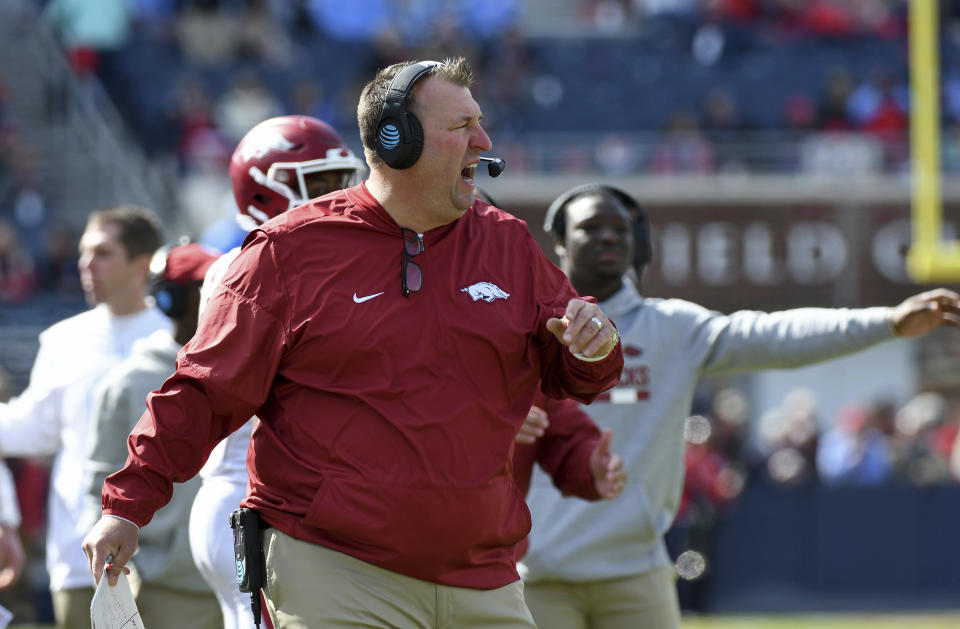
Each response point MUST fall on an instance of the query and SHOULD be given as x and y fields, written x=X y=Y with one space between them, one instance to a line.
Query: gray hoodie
x=668 y=345
x=163 y=555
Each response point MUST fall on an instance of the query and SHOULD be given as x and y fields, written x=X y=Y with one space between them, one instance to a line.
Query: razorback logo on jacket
x=486 y=291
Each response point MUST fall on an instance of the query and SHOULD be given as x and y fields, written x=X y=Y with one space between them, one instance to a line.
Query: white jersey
x=53 y=417
x=668 y=345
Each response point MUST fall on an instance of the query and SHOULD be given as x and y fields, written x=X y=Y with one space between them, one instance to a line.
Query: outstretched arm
x=927 y=311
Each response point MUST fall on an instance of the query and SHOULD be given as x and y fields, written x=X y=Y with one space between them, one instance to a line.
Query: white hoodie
x=668 y=345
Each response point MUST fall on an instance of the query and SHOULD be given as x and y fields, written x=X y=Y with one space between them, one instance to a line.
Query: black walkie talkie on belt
x=248 y=552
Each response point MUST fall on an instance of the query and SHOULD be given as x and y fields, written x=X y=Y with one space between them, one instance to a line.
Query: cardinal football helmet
x=275 y=167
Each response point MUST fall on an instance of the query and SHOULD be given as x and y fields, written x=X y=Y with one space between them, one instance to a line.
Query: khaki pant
x=164 y=607
x=641 y=601
x=310 y=586
x=71 y=608
x=158 y=606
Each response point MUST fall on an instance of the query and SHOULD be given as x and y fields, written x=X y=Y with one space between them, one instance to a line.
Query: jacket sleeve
x=562 y=374
x=749 y=340
x=223 y=376
x=30 y=423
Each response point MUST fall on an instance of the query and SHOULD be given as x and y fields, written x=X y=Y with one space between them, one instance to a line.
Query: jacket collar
x=621 y=301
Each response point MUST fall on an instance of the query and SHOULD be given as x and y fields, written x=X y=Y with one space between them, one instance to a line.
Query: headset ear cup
x=642 y=249
x=415 y=146
x=170 y=298
x=399 y=137
x=389 y=140
x=400 y=141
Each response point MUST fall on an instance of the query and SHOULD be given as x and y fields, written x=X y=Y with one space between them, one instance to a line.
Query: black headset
x=556 y=220
x=172 y=299
x=399 y=137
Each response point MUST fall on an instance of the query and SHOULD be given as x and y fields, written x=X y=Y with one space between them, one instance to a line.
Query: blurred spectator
x=606 y=15
x=18 y=279
x=94 y=34
x=724 y=126
x=881 y=107
x=854 y=451
x=840 y=154
x=29 y=599
x=88 y=29
x=414 y=22
x=951 y=94
x=709 y=39
x=800 y=113
x=827 y=18
x=683 y=149
x=309 y=98
x=155 y=17
x=208 y=35
x=510 y=66
x=445 y=40
x=715 y=474
x=262 y=35
x=789 y=436
x=731 y=414
x=574 y=159
x=245 y=103
x=189 y=115
x=488 y=20
x=357 y=20
x=955 y=459
x=58 y=264
x=615 y=156
x=923 y=435
x=832 y=113
x=890 y=113
x=879 y=102
x=388 y=49
x=204 y=193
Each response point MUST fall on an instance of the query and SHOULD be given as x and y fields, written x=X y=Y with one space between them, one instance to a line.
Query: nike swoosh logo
x=360 y=300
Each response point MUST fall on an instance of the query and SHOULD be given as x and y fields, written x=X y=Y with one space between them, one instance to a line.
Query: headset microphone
x=495 y=165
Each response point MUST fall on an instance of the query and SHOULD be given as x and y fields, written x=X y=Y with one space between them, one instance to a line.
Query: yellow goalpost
x=930 y=259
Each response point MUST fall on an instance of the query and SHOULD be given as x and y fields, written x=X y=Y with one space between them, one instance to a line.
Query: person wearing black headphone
x=172 y=593
x=390 y=337
x=604 y=564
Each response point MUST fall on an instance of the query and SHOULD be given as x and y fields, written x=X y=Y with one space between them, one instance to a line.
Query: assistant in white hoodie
x=591 y=563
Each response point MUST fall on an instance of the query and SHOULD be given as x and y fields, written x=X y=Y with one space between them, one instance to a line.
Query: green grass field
x=826 y=621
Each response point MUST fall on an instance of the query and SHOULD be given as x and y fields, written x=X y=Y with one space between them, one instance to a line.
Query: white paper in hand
x=5 y=617
x=113 y=607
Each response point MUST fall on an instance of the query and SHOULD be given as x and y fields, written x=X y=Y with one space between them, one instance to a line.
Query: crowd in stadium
x=746 y=68
x=189 y=77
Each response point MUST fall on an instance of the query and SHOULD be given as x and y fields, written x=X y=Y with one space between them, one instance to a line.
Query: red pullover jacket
x=386 y=422
x=563 y=452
